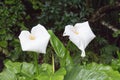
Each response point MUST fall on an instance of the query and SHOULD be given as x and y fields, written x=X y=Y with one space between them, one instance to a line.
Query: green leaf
x=43 y=76
x=2 y=31
x=23 y=71
x=59 y=75
x=9 y=1
x=7 y=75
x=14 y=67
x=115 y=64
x=60 y=50
x=45 y=72
x=57 y=45
x=28 y=69
x=92 y=71
x=3 y=44
x=116 y=34
x=46 y=68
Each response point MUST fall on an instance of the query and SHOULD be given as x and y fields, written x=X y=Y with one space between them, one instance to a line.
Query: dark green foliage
x=92 y=71
x=58 y=13
x=11 y=21
x=27 y=71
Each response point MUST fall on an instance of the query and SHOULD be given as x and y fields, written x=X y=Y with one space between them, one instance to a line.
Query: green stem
x=53 y=65
x=36 y=62
x=118 y=53
x=68 y=44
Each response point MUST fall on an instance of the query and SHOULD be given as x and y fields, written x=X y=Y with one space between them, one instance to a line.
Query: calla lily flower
x=36 y=40
x=80 y=34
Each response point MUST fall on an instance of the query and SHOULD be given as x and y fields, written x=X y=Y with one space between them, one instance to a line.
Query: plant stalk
x=36 y=62
x=53 y=65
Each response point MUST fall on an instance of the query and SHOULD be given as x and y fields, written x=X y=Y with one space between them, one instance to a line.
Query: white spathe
x=36 y=40
x=80 y=34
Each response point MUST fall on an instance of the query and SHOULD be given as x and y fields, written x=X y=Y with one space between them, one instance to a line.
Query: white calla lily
x=36 y=41
x=80 y=34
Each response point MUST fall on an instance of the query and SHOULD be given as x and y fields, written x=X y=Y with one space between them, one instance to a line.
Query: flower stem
x=53 y=65
x=36 y=62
